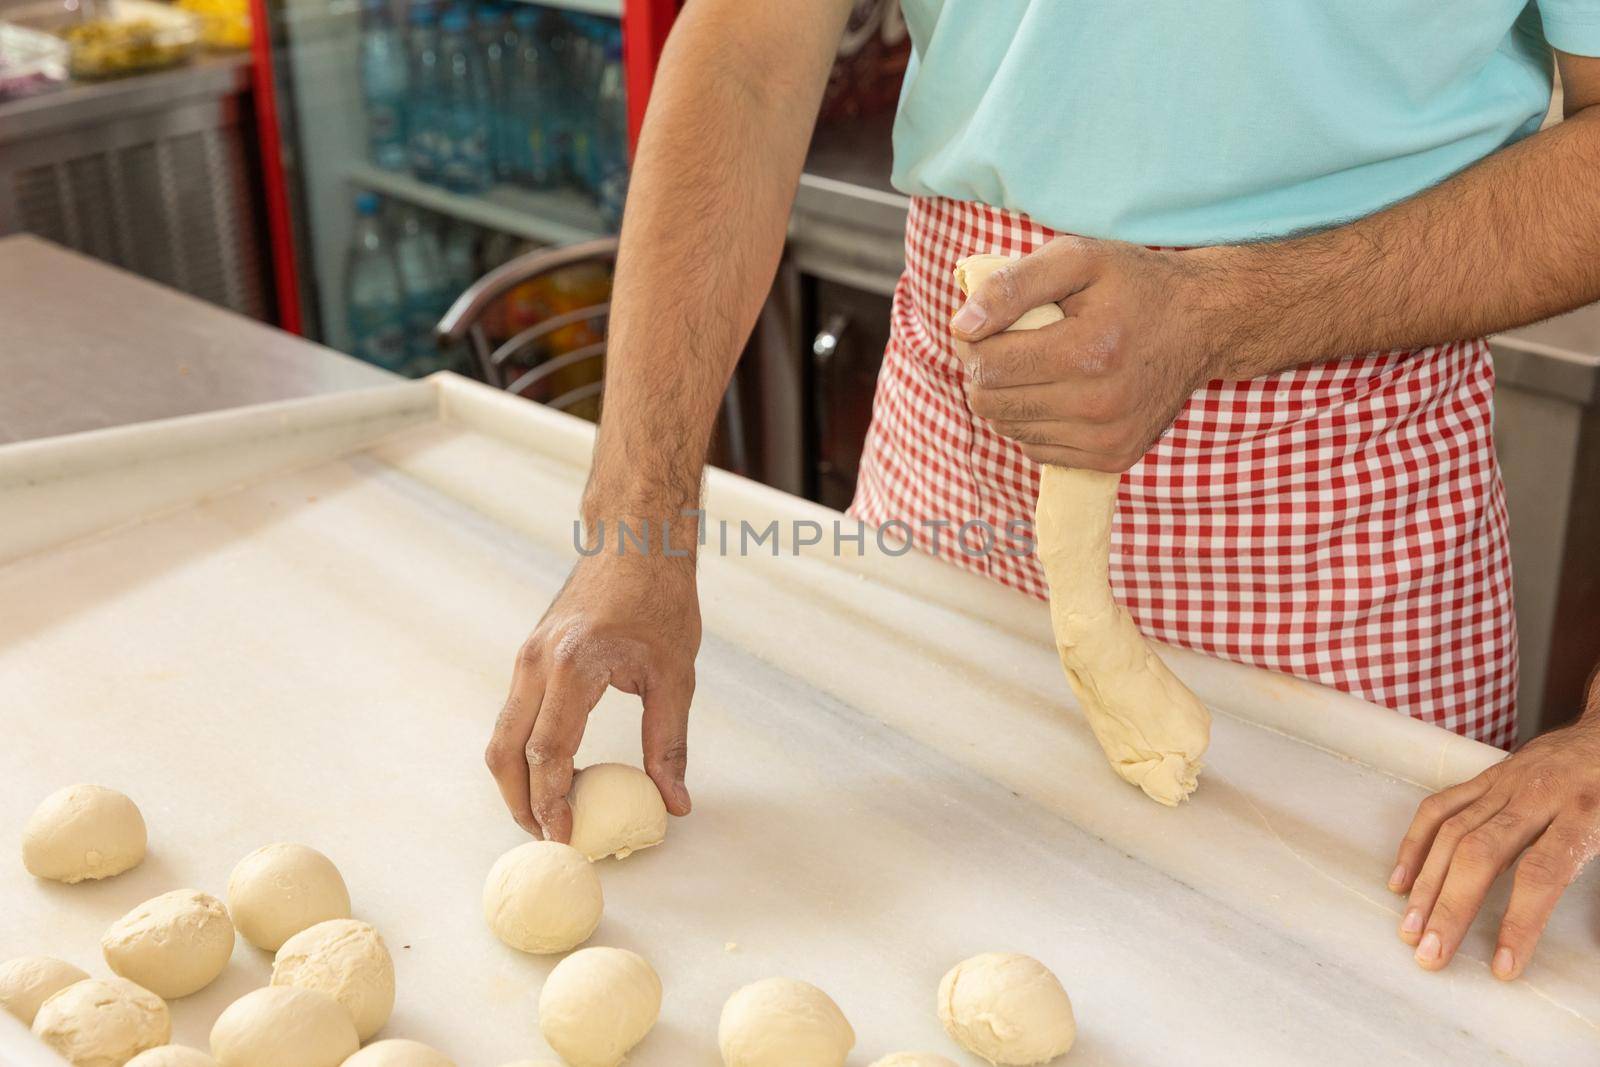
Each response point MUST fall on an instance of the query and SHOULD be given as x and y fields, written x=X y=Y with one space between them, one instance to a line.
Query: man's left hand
x=1541 y=803
x=1098 y=388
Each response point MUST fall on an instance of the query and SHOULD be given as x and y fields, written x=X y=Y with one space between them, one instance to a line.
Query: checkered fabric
x=1343 y=521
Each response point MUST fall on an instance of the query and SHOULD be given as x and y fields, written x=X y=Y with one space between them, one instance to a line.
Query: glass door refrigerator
x=409 y=146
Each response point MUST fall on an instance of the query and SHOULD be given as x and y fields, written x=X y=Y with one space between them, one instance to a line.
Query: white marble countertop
x=296 y=622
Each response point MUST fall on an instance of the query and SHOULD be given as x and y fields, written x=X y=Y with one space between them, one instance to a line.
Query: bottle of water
x=373 y=298
x=466 y=101
x=383 y=84
x=426 y=287
x=460 y=240
x=427 y=91
x=529 y=116
x=585 y=57
x=500 y=42
x=610 y=139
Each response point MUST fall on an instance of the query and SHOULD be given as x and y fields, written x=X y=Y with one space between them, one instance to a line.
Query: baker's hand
x=631 y=621
x=1098 y=388
x=1542 y=803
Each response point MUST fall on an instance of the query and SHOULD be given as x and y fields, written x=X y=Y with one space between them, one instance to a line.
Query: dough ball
x=29 y=981
x=781 y=1022
x=616 y=810
x=281 y=1025
x=172 y=1056
x=597 y=1004
x=346 y=959
x=83 y=831
x=398 y=1052
x=102 y=1022
x=542 y=897
x=279 y=890
x=1007 y=1008
x=915 y=1059
x=173 y=945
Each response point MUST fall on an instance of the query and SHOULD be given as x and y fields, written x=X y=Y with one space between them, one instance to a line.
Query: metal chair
x=464 y=320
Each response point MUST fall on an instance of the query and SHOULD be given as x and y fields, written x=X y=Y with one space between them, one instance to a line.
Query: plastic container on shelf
x=530 y=118
x=426 y=286
x=464 y=160
x=500 y=41
x=609 y=156
x=30 y=60
x=128 y=37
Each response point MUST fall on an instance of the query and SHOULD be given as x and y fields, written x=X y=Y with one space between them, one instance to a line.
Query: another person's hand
x=1098 y=388
x=631 y=621
x=1541 y=803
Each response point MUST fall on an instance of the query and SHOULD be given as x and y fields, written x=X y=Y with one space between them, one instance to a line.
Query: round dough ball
x=616 y=810
x=103 y=1022
x=781 y=1022
x=172 y=1056
x=597 y=1004
x=346 y=959
x=915 y=1059
x=542 y=897
x=282 y=1025
x=279 y=890
x=173 y=945
x=28 y=981
x=399 y=1052
x=1007 y=1008
x=83 y=831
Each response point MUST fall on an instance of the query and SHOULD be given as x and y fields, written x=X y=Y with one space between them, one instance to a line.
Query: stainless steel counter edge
x=87 y=103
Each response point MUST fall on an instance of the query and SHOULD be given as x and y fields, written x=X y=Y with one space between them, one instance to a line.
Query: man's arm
x=1513 y=239
x=1510 y=241
x=735 y=98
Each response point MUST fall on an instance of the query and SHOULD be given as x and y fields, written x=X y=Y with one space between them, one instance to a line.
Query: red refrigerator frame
x=645 y=24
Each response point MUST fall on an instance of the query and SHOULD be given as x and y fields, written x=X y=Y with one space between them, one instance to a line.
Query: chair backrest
x=465 y=320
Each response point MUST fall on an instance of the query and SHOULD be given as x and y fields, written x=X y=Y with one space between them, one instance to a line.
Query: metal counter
x=155 y=173
x=87 y=346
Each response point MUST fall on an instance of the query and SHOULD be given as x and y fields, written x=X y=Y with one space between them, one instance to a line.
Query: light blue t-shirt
x=1191 y=122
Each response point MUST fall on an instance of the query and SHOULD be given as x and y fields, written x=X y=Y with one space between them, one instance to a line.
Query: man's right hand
x=629 y=621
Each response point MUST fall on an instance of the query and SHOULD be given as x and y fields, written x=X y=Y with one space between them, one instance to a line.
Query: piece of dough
x=915 y=1059
x=782 y=1022
x=81 y=832
x=280 y=889
x=542 y=897
x=280 y=1026
x=399 y=1052
x=103 y=1022
x=597 y=1004
x=1007 y=1008
x=173 y=945
x=346 y=959
x=28 y=981
x=1152 y=728
x=616 y=810
x=172 y=1056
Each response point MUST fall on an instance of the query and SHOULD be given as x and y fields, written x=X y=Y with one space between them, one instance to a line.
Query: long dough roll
x=1152 y=728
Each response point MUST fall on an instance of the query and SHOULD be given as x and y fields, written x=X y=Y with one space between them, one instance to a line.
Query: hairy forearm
x=1509 y=241
x=719 y=157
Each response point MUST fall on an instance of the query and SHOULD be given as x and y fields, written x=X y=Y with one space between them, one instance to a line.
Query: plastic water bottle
x=460 y=241
x=609 y=174
x=529 y=115
x=585 y=58
x=373 y=297
x=466 y=166
x=383 y=85
x=501 y=44
x=427 y=91
x=426 y=287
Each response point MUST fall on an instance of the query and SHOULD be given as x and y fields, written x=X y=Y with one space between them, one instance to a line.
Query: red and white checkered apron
x=1343 y=521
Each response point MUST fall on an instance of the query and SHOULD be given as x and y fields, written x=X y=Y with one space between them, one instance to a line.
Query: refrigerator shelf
x=558 y=217
x=613 y=8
